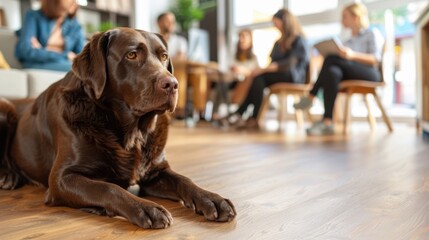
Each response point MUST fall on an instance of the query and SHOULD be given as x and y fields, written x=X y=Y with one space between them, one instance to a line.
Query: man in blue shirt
x=50 y=37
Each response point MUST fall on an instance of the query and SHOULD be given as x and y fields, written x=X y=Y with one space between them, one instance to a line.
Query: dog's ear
x=170 y=67
x=91 y=64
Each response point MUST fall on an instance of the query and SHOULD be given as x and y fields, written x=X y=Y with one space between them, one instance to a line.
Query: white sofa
x=17 y=82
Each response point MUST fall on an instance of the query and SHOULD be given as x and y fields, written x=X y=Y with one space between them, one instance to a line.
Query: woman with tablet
x=357 y=59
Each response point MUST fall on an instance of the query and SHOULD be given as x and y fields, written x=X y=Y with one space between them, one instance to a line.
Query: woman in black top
x=289 y=60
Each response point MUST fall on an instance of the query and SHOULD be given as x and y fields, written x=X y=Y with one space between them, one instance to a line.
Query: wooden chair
x=283 y=90
x=366 y=88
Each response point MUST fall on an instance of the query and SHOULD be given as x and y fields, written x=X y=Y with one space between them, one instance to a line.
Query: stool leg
x=383 y=113
x=347 y=113
x=282 y=109
x=337 y=110
x=299 y=115
x=371 y=118
x=263 y=110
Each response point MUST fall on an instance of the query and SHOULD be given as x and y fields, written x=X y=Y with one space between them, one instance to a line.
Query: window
x=299 y=7
x=246 y=12
x=263 y=41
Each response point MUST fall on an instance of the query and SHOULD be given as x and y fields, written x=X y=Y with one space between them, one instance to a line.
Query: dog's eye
x=132 y=55
x=164 y=57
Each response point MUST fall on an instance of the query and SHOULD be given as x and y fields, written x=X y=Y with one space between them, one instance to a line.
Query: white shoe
x=321 y=129
x=304 y=103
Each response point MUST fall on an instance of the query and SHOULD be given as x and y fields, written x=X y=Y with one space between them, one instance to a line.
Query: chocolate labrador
x=101 y=129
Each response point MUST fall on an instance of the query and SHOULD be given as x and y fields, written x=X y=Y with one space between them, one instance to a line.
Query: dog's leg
x=169 y=184
x=9 y=179
x=80 y=192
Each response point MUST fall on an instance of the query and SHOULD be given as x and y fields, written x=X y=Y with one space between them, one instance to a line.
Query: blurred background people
x=242 y=63
x=177 y=45
x=50 y=37
x=289 y=60
x=359 y=59
x=177 y=49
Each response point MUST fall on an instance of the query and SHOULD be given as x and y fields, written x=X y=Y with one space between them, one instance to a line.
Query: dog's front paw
x=212 y=206
x=8 y=179
x=151 y=215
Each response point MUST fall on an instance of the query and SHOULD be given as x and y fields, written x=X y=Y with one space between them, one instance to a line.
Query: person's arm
x=298 y=53
x=80 y=42
x=374 y=54
x=364 y=58
x=272 y=67
x=74 y=39
x=24 y=48
x=183 y=49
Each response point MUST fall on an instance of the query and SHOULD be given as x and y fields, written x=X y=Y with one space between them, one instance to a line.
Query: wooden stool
x=366 y=88
x=282 y=90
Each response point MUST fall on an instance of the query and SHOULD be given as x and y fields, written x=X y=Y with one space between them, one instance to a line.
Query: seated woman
x=289 y=60
x=359 y=59
x=50 y=37
x=241 y=65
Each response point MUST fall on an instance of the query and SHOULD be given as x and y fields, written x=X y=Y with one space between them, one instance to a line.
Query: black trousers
x=336 y=69
x=255 y=95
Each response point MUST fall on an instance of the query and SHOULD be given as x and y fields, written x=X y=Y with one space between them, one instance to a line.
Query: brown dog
x=101 y=129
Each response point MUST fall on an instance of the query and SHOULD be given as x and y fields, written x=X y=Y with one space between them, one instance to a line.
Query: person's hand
x=240 y=70
x=35 y=43
x=73 y=8
x=346 y=53
x=256 y=72
x=71 y=56
x=235 y=69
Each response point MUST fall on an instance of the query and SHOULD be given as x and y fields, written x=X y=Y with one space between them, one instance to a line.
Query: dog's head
x=129 y=65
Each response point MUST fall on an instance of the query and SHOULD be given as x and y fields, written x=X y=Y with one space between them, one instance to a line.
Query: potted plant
x=186 y=13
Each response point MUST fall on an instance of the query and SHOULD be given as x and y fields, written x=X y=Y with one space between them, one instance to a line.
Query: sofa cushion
x=39 y=80
x=13 y=84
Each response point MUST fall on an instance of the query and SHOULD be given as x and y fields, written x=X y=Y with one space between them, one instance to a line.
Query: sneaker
x=249 y=124
x=228 y=121
x=303 y=104
x=320 y=129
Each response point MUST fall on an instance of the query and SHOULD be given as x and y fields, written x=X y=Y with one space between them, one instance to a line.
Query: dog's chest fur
x=126 y=152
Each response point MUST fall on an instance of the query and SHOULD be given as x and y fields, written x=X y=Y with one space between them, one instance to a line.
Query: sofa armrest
x=39 y=80
x=13 y=83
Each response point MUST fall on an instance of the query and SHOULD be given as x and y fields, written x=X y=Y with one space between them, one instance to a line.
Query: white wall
x=13 y=13
x=145 y=12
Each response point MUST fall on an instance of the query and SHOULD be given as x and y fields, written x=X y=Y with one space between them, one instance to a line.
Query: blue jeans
x=63 y=66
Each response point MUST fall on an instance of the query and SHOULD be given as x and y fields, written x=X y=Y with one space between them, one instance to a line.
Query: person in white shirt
x=359 y=59
x=177 y=45
x=177 y=49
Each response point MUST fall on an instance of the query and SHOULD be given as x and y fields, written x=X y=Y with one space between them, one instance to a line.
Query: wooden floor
x=284 y=186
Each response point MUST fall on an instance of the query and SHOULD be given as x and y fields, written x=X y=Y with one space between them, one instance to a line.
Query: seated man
x=50 y=37
x=185 y=71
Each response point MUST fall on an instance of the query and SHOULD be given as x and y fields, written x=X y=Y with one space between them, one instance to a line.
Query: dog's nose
x=168 y=84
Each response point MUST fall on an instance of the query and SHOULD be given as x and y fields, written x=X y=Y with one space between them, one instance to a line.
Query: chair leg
x=309 y=116
x=347 y=113
x=383 y=112
x=299 y=115
x=263 y=110
x=337 y=118
x=282 y=110
x=371 y=118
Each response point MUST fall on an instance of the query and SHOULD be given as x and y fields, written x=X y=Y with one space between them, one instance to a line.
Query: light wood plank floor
x=284 y=186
